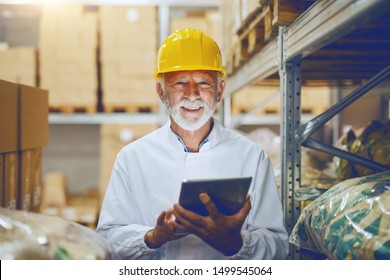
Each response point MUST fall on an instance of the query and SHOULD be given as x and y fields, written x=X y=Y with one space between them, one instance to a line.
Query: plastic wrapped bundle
x=28 y=236
x=349 y=221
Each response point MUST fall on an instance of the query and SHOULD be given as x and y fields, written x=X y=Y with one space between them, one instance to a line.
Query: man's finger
x=210 y=206
x=169 y=216
x=188 y=218
x=160 y=219
x=245 y=208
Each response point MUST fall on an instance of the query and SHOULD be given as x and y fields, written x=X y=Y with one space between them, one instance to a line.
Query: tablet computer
x=228 y=194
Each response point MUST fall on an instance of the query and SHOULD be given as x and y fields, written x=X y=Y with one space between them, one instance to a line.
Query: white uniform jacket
x=146 y=179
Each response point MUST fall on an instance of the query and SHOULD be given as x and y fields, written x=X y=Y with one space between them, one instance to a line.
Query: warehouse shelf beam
x=267 y=119
x=100 y=118
x=327 y=21
x=148 y=118
x=316 y=145
x=261 y=66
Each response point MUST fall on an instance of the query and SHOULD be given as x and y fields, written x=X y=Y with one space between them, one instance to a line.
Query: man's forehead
x=191 y=74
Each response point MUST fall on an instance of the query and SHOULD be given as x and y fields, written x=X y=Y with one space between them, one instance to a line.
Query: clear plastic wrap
x=349 y=221
x=28 y=236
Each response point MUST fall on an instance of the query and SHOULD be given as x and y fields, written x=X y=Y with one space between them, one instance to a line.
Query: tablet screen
x=228 y=194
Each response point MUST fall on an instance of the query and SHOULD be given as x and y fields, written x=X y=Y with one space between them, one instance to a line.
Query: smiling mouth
x=192 y=108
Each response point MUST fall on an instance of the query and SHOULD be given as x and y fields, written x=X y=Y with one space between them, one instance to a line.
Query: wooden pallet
x=253 y=35
x=130 y=108
x=73 y=109
x=286 y=11
x=256 y=29
x=260 y=27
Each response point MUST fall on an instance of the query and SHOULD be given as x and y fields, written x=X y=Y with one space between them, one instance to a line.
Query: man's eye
x=178 y=85
x=204 y=84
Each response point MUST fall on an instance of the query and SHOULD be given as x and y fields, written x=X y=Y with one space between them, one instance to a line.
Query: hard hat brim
x=221 y=70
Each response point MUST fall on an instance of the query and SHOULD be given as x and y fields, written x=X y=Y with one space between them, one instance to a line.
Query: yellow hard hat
x=188 y=49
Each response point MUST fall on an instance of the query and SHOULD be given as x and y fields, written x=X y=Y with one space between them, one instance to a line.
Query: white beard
x=190 y=123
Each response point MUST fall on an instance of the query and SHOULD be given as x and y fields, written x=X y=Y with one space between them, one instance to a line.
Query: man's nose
x=192 y=91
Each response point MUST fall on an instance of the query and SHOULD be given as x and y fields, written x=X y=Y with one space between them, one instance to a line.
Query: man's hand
x=163 y=231
x=221 y=232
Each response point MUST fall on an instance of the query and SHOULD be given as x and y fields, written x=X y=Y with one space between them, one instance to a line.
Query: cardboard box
x=1 y=179
x=33 y=118
x=9 y=115
x=54 y=192
x=26 y=180
x=127 y=17
x=19 y=65
x=10 y=180
x=68 y=64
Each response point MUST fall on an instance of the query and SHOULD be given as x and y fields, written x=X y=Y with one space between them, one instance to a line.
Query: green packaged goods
x=349 y=221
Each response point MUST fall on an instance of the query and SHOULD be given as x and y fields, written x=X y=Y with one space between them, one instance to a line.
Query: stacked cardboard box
x=19 y=65
x=54 y=194
x=128 y=42
x=209 y=22
x=23 y=134
x=232 y=21
x=68 y=56
x=82 y=209
x=113 y=137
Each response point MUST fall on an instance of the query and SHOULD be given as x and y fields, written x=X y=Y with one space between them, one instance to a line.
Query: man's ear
x=221 y=88
x=160 y=91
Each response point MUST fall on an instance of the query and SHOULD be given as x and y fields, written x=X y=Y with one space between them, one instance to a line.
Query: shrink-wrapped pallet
x=349 y=221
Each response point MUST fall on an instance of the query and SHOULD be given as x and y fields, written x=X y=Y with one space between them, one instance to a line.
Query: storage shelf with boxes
x=24 y=132
x=68 y=64
x=95 y=64
x=128 y=47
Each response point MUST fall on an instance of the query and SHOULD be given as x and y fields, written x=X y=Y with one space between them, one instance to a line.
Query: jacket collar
x=211 y=139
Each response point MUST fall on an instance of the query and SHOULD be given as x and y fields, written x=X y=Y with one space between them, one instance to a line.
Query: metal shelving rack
x=322 y=24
